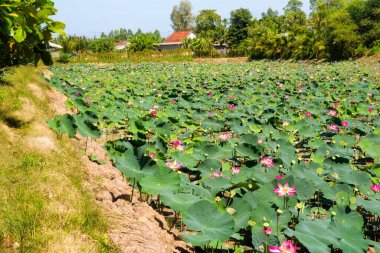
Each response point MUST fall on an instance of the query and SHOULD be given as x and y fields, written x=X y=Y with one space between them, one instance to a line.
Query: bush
x=64 y=58
x=102 y=45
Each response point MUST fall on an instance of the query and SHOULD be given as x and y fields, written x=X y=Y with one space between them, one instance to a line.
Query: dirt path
x=134 y=226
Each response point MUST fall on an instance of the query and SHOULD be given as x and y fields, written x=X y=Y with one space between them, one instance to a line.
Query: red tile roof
x=177 y=37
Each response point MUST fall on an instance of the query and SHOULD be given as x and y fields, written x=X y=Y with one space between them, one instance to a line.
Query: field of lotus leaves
x=261 y=156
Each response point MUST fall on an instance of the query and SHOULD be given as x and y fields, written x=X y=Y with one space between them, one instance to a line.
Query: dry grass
x=44 y=205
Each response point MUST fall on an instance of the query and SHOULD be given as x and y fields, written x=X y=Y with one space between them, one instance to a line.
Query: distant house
x=54 y=47
x=174 y=41
x=121 y=45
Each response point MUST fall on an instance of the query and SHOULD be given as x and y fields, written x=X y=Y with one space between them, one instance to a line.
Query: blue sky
x=91 y=17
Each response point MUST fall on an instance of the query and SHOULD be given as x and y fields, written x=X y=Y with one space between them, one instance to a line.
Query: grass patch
x=44 y=206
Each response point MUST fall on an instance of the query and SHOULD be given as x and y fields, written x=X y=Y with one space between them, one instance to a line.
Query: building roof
x=121 y=45
x=177 y=37
x=53 y=45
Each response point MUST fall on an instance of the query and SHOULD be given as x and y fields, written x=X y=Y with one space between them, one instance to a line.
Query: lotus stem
x=133 y=189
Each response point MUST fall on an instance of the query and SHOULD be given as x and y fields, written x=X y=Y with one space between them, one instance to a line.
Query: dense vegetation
x=334 y=30
x=25 y=30
x=260 y=155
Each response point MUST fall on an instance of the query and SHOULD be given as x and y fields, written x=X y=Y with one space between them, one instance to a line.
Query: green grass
x=44 y=206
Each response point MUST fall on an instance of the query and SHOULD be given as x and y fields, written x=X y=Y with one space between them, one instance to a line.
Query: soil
x=134 y=225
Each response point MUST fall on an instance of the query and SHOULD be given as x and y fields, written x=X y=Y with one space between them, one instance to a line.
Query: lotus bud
x=231 y=210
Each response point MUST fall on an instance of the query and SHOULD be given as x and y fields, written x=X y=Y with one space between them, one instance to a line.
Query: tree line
x=334 y=29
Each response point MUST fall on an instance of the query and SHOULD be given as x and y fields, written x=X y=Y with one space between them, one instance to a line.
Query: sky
x=92 y=17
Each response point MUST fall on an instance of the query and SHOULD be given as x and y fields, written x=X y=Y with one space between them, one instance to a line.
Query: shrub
x=64 y=58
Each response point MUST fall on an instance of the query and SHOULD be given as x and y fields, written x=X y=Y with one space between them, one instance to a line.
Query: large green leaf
x=212 y=223
x=86 y=128
x=158 y=184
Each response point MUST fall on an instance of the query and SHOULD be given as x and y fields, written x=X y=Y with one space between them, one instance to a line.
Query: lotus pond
x=261 y=156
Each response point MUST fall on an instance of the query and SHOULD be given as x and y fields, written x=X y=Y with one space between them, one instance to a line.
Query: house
x=174 y=41
x=121 y=45
x=54 y=49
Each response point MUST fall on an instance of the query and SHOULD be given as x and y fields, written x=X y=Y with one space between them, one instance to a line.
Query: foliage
x=144 y=42
x=182 y=17
x=25 y=30
x=209 y=25
x=121 y=34
x=102 y=45
x=200 y=46
x=240 y=20
x=236 y=148
x=64 y=58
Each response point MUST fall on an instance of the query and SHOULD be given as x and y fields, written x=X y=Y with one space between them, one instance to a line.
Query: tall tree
x=366 y=15
x=209 y=25
x=240 y=20
x=182 y=17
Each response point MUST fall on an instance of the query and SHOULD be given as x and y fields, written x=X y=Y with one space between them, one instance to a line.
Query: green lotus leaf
x=211 y=222
x=63 y=124
x=159 y=184
x=86 y=128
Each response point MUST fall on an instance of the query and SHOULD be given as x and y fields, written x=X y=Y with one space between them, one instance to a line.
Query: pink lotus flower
x=235 y=170
x=224 y=136
x=87 y=99
x=370 y=110
x=300 y=90
x=260 y=141
x=231 y=107
x=281 y=85
x=209 y=94
x=286 y=247
x=209 y=115
x=333 y=113
x=267 y=162
x=173 y=101
x=308 y=114
x=282 y=191
x=89 y=104
x=152 y=155
x=335 y=105
x=130 y=103
x=375 y=188
x=333 y=128
x=77 y=93
x=174 y=165
x=176 y=143
x=153 y=112
x=267 y=231
x=150 y=136
x=280 y=177
x=345 y=123
x=216 y=174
